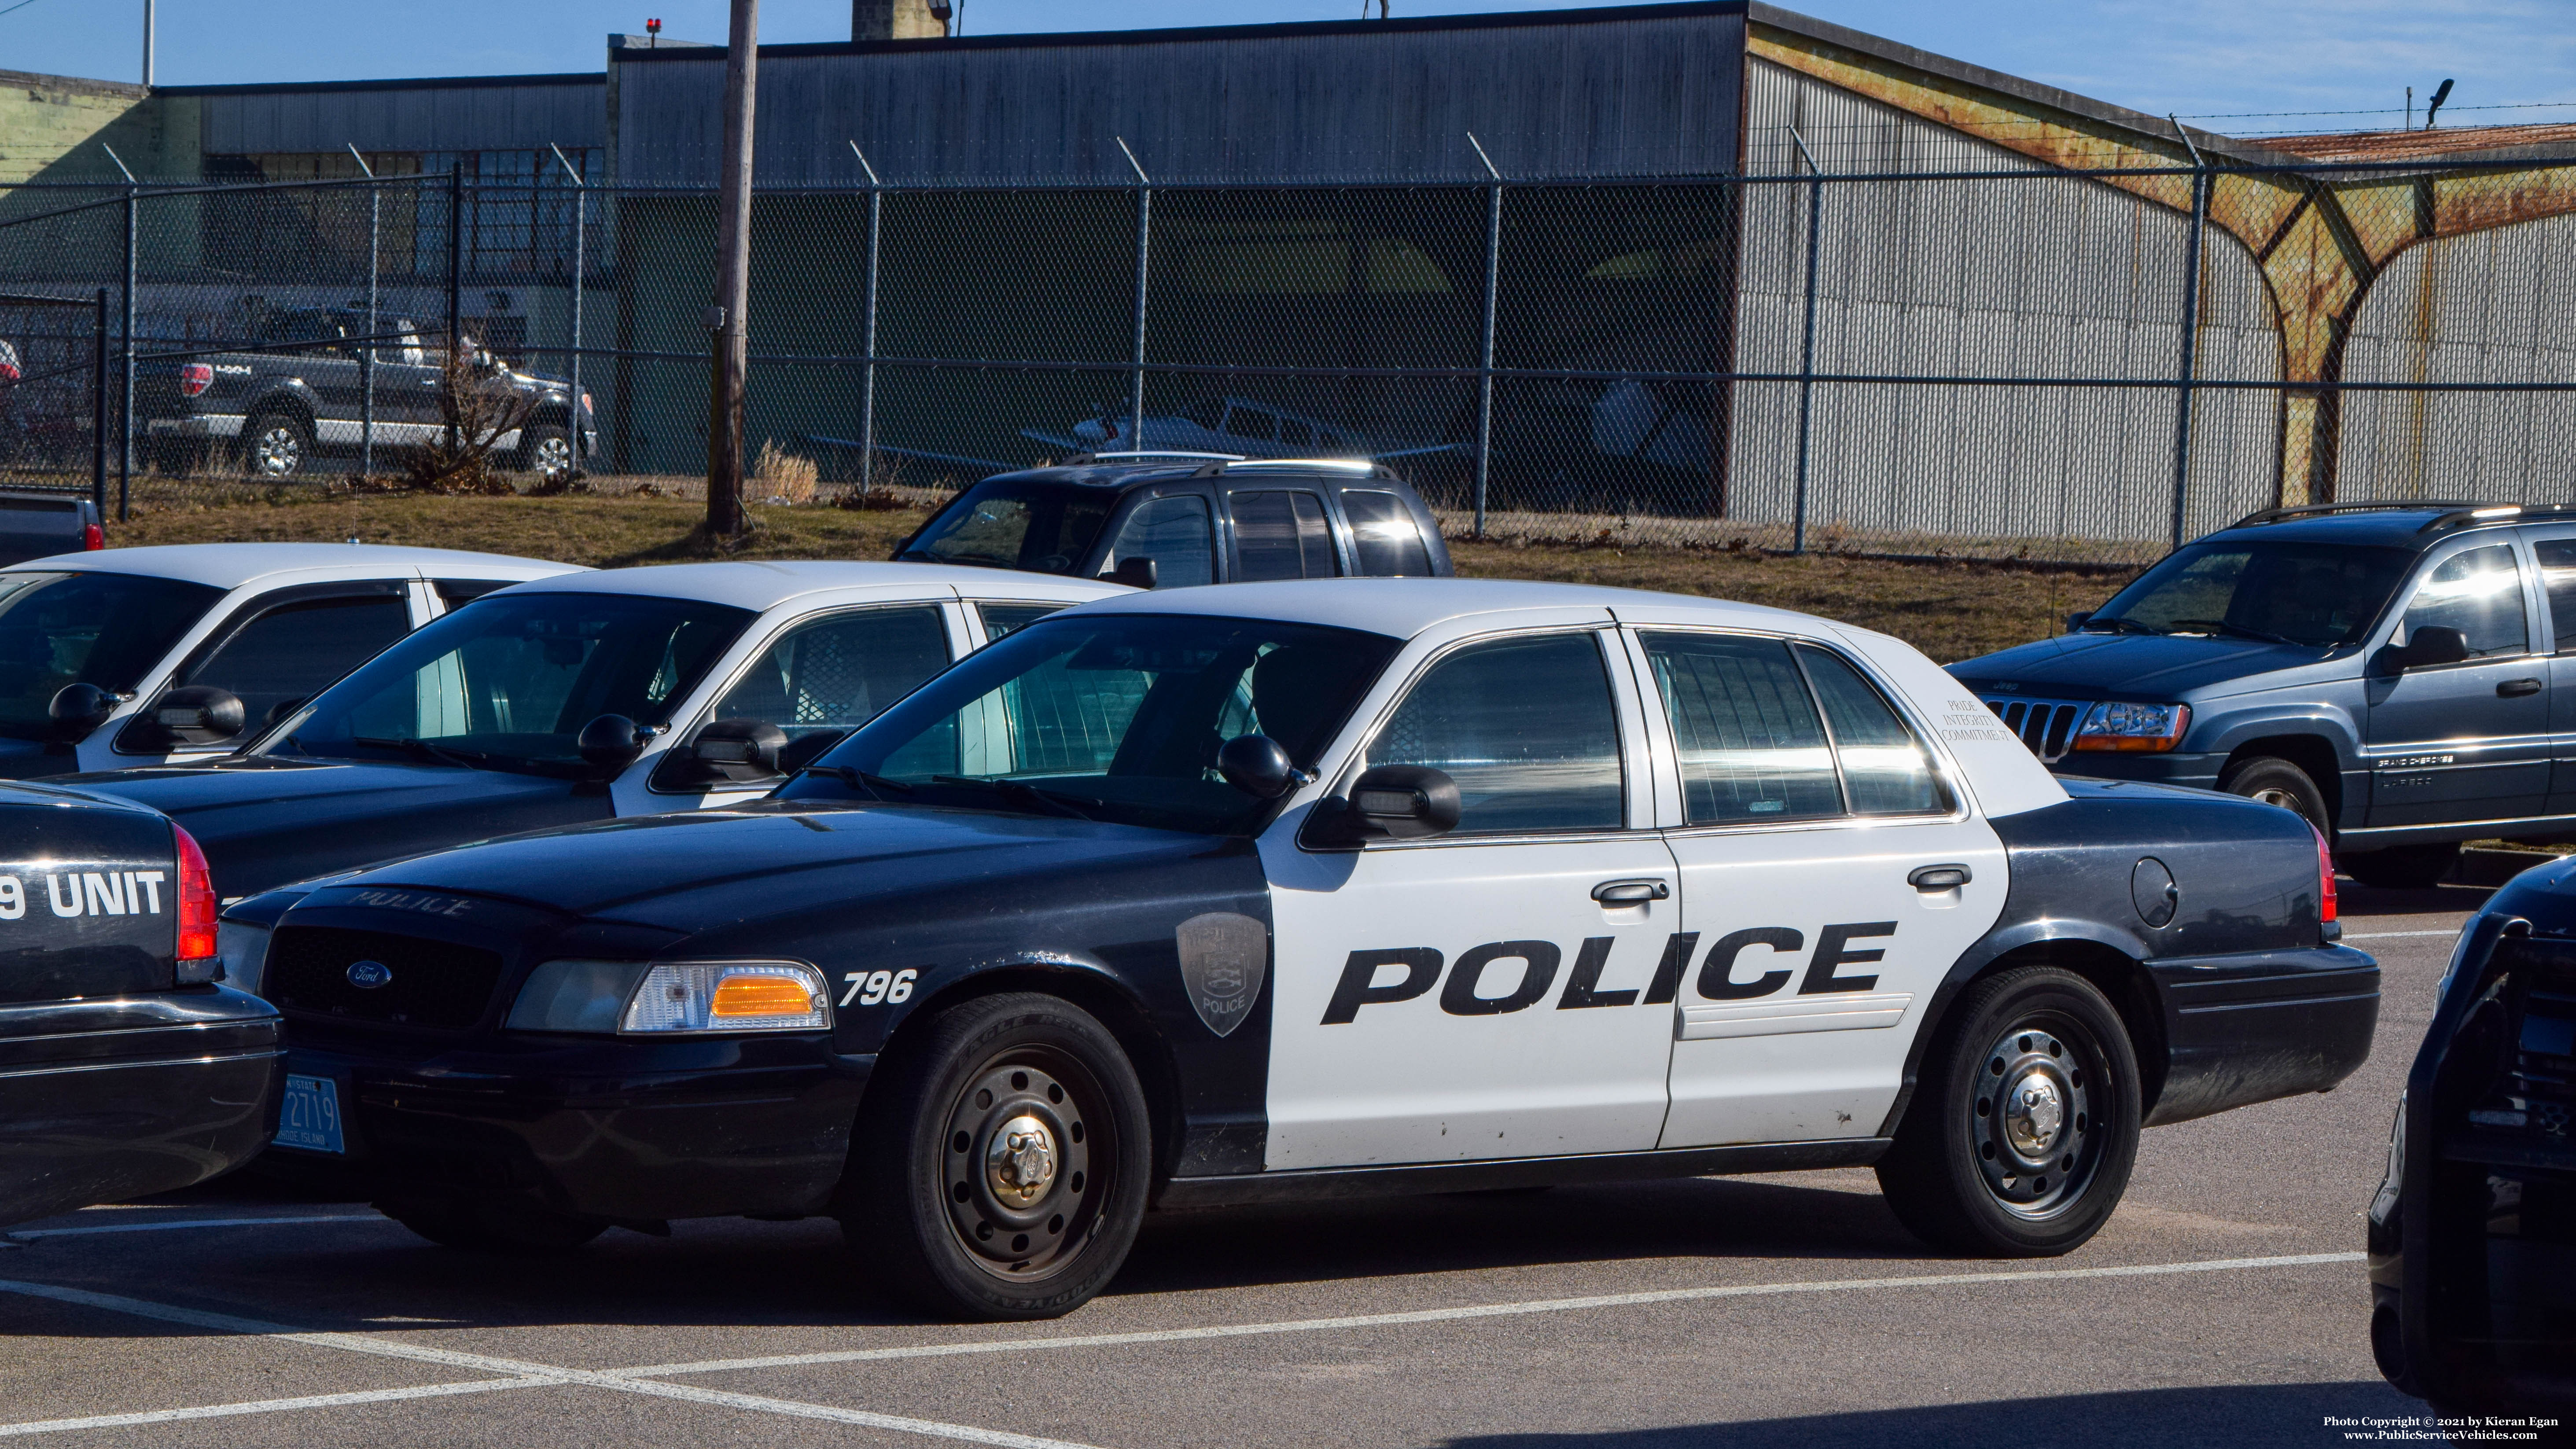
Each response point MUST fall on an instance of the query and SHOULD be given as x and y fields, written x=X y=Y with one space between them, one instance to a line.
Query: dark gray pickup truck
x=304 y=392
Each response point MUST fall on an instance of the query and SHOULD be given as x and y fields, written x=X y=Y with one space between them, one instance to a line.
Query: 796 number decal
x=867 y=988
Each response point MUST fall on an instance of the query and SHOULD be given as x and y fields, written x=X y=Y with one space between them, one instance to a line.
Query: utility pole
x=731 y=350
x=147 y=44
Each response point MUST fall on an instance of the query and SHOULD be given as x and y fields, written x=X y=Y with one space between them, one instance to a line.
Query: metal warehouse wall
x=2496 y=305
x=479 y=114
x=1619 y=96
x=2052 y=277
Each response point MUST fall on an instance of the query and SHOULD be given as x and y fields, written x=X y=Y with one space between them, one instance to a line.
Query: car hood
x=707 y=870
x=2130 y=666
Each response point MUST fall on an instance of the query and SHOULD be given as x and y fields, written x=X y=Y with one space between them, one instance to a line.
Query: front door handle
x=2517 y=688
x=1631 y=892
x=1929 y=878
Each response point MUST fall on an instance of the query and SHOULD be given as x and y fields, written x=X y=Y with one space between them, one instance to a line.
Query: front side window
x=1526 y=728
x=1384 y=535
x=1109 y=717
x=2314 y=594
x=1282 y=536
x=2478 y=592
x=1174 y=532
x=509 y=682
x=1753 y=747
x=840 y=671
x=84 y=628
x=290 y=651
x=1043 y=527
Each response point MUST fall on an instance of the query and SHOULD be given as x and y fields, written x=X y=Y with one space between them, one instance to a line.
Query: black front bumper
x=102 y=1100
x=2248 y=1028
x=622 y=1129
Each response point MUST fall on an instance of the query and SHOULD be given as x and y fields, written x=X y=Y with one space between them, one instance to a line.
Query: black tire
x=1014 y=1224
x=2401 y=867
x=1970 y=1175
x=2276 y=781
x=546 y=450
x=492 y=1227
x=276 y=444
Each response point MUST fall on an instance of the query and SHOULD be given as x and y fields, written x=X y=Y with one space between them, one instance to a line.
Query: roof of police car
x=231 y=565
x=767 y=583
x=1405 y=607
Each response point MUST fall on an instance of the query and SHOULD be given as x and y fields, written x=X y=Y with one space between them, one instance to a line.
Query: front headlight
x=2115 y=725
x=643 y=998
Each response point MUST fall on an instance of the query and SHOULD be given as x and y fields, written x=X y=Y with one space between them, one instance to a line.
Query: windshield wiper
x=424 y=750
x=1023 y=790
x=857 y=779
x=2113 y=624
x=2221 y=626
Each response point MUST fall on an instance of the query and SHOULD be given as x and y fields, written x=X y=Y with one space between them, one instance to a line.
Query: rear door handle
x=1939 y=877
x=2517 y=688
x=1631 y=892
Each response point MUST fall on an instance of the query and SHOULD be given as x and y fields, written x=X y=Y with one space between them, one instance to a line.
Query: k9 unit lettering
x=88 y=893
x=1525 y=971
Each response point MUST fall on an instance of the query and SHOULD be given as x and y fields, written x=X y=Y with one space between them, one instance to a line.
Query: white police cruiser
x=1266 y=891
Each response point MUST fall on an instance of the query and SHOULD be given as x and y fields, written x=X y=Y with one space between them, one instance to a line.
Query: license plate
x=311 y=1117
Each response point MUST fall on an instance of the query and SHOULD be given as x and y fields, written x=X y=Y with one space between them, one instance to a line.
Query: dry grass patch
x=1950 y=611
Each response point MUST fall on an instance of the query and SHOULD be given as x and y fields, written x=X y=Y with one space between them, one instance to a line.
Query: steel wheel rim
x=2034 y=1124
x=1017 y=1163
x=552 y=457
x=278 y=450
x=2275 y=795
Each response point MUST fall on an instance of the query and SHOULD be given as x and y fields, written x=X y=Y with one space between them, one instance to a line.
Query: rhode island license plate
x=311 y=1117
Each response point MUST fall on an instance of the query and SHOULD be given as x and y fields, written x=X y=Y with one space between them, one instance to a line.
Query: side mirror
x=77 y=709
x=1391 y=802
x=199 y=714
x=2076 y=621
x=1135 y=573
x=2428 y=646
x=738 y=749
x=610 y=742
x=1259 y=767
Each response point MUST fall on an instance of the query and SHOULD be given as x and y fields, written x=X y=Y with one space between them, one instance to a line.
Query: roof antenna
x=2441 y=94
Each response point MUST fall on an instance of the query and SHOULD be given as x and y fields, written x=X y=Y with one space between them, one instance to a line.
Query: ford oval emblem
x=368 y=975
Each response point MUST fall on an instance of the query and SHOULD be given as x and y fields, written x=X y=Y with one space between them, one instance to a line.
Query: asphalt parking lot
x=2225 y=1303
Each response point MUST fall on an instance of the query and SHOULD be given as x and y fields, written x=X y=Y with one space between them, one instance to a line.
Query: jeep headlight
x=2117 y=725
x=634 y=998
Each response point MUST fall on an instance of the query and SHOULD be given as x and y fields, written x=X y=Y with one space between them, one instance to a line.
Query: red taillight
x=2325 y=879
x=197 y=904
x=93 y=536
x=195 y=377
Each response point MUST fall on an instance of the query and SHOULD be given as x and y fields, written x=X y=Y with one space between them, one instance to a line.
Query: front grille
x=430 y=983
x=2046 y=725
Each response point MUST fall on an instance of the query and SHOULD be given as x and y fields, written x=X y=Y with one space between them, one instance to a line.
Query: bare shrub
x=476 y=411
x=783 y=474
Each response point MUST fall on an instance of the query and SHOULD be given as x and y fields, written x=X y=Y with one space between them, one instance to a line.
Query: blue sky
x=2194 y=56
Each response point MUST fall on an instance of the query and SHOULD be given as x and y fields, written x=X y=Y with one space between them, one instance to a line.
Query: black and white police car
x=581 y=697
x=1267 y=891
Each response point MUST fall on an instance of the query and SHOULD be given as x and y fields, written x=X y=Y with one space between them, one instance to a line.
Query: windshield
x=2315 y=594
x=507 y=681
x=1045 y=528
x=84 y=628
x=1115 y=717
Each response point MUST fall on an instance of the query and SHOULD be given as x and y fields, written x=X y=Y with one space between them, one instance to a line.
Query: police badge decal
x=1224 y=958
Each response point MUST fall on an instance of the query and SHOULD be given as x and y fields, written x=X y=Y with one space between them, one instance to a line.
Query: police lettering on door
x=1742 y=965
x=88 y=893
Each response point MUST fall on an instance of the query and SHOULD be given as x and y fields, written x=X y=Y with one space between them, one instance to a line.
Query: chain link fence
x=1851 y=348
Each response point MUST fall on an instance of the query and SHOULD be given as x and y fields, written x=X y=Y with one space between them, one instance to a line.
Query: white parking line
x=267 y=1406
x=1482 y=1310
x=165 y=1227
x=2393 y=935
x=537 y=1375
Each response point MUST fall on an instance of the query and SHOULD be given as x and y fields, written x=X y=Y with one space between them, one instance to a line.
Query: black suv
x=1166 y=519
x=2391 y=671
